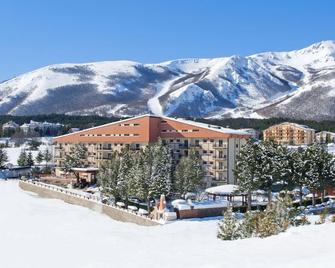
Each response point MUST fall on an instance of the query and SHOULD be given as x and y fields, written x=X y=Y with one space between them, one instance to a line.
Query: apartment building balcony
x=195 y=146
x=219 y=158
x=220 y=146
x=102 y=149
x=218 y=168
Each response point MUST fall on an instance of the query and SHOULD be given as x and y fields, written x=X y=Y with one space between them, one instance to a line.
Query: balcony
x=220 y=146
x=100 y=149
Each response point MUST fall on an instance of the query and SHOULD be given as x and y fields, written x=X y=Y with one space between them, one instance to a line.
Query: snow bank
x=38 y=233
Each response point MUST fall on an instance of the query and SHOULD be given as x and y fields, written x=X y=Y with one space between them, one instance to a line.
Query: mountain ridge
x=299 y=84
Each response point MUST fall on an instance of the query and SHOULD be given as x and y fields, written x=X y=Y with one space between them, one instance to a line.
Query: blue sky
x=37 y=33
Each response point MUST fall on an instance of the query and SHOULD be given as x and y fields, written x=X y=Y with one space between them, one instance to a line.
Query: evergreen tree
x=108 y=177
x=161 y=170
x=47 y=157
x=247 y=169
x=75 y=159
x=321 y=174
x=229 y=227
x=30 y=160
x=189 y=174
x=22 y=160
x=298 y=166
x=152 y=172
x=3 y=157
x=125 y=175
x=141 y=174
x=272 y=167
x=268 y=223
x=39 y=158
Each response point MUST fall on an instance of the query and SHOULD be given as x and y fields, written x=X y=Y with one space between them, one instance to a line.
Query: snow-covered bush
x=268 y=223
x=229 y=227
x=300 y=220
x=323 y=217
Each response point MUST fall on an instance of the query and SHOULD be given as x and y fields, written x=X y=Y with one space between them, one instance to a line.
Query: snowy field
x=40 y=233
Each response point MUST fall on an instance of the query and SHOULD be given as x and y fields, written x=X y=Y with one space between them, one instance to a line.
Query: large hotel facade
x=217 y=146
x=290 y=134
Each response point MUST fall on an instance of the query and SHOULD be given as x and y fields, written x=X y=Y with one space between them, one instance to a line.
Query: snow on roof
x=296 y=125
x=201 y=205
x=226 y=189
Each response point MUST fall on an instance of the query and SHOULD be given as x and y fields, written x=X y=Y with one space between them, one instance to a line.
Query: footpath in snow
x=38 y=233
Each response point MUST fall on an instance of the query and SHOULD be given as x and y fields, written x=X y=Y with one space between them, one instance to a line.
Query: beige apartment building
x=325 y=137
x=290 y=134
x=217 y=146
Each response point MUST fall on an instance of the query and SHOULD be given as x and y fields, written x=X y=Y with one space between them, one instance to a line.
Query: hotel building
x=217 y=146
x=290 y=134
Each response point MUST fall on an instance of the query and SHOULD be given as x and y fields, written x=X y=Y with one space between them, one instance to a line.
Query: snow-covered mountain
x=297 y=84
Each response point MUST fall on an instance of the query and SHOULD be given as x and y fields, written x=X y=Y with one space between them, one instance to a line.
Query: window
x=171 y=140
x=163 y=121
x=196 y=142
x=204 y=151
x=136 y=124
x=221 y=165
x=195 y=130
x=204 y=140
x=163 y=130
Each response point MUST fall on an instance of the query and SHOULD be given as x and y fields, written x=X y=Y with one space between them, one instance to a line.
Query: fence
x=86 y=200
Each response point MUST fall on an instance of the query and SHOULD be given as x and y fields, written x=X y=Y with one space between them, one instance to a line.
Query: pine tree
x=249 y=224
x=141 y=174
x=22 y=160
x=272 y=167
x=3 y=157
x=189 y=174
x=247 y=169
x=125 y=175
x=30 y=160
x=161 y=171
x=229 y=227
x=151 y=172
x=47 y=157
x=298 y=165
x=39 y=158
x=108 y=177
x=321 y=174
x=75 y=159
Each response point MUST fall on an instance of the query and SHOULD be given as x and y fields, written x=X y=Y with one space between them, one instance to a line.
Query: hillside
x=298 y=84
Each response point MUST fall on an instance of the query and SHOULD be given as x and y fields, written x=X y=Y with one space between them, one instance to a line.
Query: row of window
x=129 y=125
x=179 y=130
x=111 y=135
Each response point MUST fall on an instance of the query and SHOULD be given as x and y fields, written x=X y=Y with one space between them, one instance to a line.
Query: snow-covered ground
x=14 y=152
x=39 y=233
